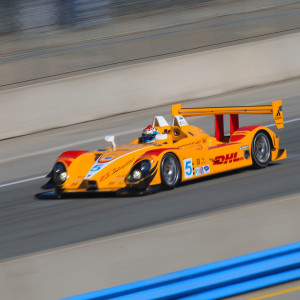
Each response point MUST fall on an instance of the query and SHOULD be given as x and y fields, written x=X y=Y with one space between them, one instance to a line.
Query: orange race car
x=169 y=154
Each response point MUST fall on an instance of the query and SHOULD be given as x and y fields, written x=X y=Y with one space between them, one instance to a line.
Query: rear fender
x=247 y=134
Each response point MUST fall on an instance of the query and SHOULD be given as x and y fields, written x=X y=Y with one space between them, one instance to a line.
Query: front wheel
x=170 y=171
x=261 y=150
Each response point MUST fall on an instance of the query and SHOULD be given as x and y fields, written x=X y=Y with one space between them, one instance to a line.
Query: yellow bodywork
x=198 y=153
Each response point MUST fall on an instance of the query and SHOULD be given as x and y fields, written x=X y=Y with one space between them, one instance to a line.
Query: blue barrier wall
x=213 y=281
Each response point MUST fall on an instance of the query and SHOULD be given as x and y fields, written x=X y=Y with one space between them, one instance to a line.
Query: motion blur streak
x=167 y=29
x=52 y=51
x=47 y=15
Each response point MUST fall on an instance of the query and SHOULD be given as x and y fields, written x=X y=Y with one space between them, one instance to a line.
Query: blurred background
x=43 y=41
x=46 y=39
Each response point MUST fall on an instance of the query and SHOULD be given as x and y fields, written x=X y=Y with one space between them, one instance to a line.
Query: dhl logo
x=228 y=159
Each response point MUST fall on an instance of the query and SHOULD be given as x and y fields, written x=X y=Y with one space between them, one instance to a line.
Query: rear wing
x=275 y=109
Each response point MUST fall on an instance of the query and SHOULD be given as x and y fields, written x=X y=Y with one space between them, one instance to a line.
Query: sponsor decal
x=238 y=132
x=205 y=169
x=182 y=121
x=200 y=161
x=279 y=110
x=79 y=179
x=104 y=177
x=115 y=170
x=244 y=147
x=192 y=144
x=278 y=115
x=227 y=159
x=202 y=170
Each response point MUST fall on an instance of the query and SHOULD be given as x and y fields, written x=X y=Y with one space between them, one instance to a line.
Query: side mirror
x=111 y=139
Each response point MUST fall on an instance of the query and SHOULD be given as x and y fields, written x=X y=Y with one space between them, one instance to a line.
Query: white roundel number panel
x=188 y=168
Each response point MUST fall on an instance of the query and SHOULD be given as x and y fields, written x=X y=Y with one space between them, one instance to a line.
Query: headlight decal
x=59 y=173
x=141 y=171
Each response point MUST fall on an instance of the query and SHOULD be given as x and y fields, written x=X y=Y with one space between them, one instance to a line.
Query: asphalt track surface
x=28 y=224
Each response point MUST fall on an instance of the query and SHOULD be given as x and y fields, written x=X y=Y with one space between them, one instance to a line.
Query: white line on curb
x=22 y=181
x=49 y=150
x=285 y=122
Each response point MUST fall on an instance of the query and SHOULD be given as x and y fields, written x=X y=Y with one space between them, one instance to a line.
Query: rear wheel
x=261 y=150
x=170 y=171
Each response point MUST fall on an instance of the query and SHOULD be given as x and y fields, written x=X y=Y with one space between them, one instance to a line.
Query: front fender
x=155 y=156
x=77 y=164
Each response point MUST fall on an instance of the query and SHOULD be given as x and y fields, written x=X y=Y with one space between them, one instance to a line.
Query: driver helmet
x=149 y=134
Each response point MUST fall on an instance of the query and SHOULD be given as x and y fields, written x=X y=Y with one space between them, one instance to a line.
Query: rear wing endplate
x=275 y=109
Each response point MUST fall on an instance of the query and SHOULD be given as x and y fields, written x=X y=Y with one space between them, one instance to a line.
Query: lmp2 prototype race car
x=179 y=152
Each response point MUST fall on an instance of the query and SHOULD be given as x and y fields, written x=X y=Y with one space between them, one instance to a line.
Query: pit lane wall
x=100 y=94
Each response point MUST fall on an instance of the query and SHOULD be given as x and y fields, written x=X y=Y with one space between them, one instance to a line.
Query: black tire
x=261 y=150
x=170 y=171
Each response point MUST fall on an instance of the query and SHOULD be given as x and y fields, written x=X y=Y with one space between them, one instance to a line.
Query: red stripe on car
x=220 y=146
x=248 y=128
x=154 y=152
x=237 y=137
x=72 y=154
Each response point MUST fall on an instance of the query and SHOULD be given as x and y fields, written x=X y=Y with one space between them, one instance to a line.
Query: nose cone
x=113 y=161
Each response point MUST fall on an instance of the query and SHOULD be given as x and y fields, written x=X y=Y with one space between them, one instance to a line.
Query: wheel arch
x=269 y=133
x=179 y=164
x=176 y=156
x=255 y=160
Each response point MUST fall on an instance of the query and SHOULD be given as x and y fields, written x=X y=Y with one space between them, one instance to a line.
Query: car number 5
x=188 y=168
